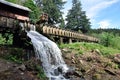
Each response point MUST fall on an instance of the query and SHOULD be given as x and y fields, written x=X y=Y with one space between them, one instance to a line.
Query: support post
x=77 y=40
x=70 y=40
x=61 y=40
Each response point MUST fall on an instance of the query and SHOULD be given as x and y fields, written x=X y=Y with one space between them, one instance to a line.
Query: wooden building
x=11 y=14
x=14 y=11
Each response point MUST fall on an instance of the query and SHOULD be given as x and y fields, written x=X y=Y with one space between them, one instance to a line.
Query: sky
x=102 y=13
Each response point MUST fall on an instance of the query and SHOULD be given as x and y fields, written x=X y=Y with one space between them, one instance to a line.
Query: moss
x=96 y=77
x=81 y=52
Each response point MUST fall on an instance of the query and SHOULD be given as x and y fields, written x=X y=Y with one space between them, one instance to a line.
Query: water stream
x=50 y=55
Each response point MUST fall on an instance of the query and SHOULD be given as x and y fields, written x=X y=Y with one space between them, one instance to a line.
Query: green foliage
x=82 y=47
x=106 y=39
x=113 y=31
x=53 y=9
x=81 y=52
x=62 y=25
x=77 y=19
x=6 y=39
x=109 y=39
x=115 y=42
x=14 y=59
x=35 y=13
x=2 y=40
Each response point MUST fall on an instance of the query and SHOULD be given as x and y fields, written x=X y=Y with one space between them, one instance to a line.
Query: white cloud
x=93 y=7
x=104 y=24
x=64 y=0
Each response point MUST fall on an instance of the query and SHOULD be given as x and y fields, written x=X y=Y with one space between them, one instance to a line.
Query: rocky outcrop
x=92 y=65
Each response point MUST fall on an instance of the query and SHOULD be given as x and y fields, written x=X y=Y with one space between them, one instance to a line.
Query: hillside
x=92 y=61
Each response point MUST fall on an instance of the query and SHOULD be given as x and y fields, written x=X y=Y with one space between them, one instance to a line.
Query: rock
x=73 y=57
x=78 y=73
x=56 y=72
x=21 y=73
x=73 y=61
x=66 y=50
x=76 y=69
x=22 y=67
x=81 y=62
x=96 y=51
x=72 y=72
x=52 y=78
x=60 y=69
x=117 y=58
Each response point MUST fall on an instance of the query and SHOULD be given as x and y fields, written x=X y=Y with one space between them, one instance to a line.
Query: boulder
x=117 y=58
x=22 y=67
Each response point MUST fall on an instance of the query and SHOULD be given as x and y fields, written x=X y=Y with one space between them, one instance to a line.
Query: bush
x=109 y=39
x=6 y=39
x=115 y=42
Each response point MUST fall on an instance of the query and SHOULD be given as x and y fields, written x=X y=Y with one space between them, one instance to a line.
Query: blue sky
x=102 y=13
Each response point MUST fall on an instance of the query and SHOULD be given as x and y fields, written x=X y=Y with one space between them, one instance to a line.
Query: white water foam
x=50 y=55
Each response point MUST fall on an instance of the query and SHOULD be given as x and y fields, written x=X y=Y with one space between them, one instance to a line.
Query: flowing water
x=50 y=55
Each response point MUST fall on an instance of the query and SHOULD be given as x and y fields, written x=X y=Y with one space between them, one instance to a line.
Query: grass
x=82 y=47
x=15 y=55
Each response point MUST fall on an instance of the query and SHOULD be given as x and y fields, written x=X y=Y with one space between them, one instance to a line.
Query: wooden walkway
x=62 y=34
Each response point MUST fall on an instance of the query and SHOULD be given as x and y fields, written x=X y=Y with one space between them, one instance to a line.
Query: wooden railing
x=66 y=33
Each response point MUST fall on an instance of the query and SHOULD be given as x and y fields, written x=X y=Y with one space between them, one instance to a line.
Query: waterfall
x=50 y=55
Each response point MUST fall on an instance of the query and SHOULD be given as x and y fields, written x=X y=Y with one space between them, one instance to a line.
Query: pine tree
x=76 y=18
x=35 y=13
x=53 y=9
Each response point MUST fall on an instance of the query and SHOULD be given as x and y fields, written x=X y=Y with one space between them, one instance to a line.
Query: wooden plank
x=13 y=15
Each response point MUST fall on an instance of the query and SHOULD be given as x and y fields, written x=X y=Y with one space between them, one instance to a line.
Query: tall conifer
x=77 y=19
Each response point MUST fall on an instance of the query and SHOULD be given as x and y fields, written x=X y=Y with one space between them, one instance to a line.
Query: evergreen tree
x=77 y=19
x=62 y=25
x=35 y=13
x=53 y=9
